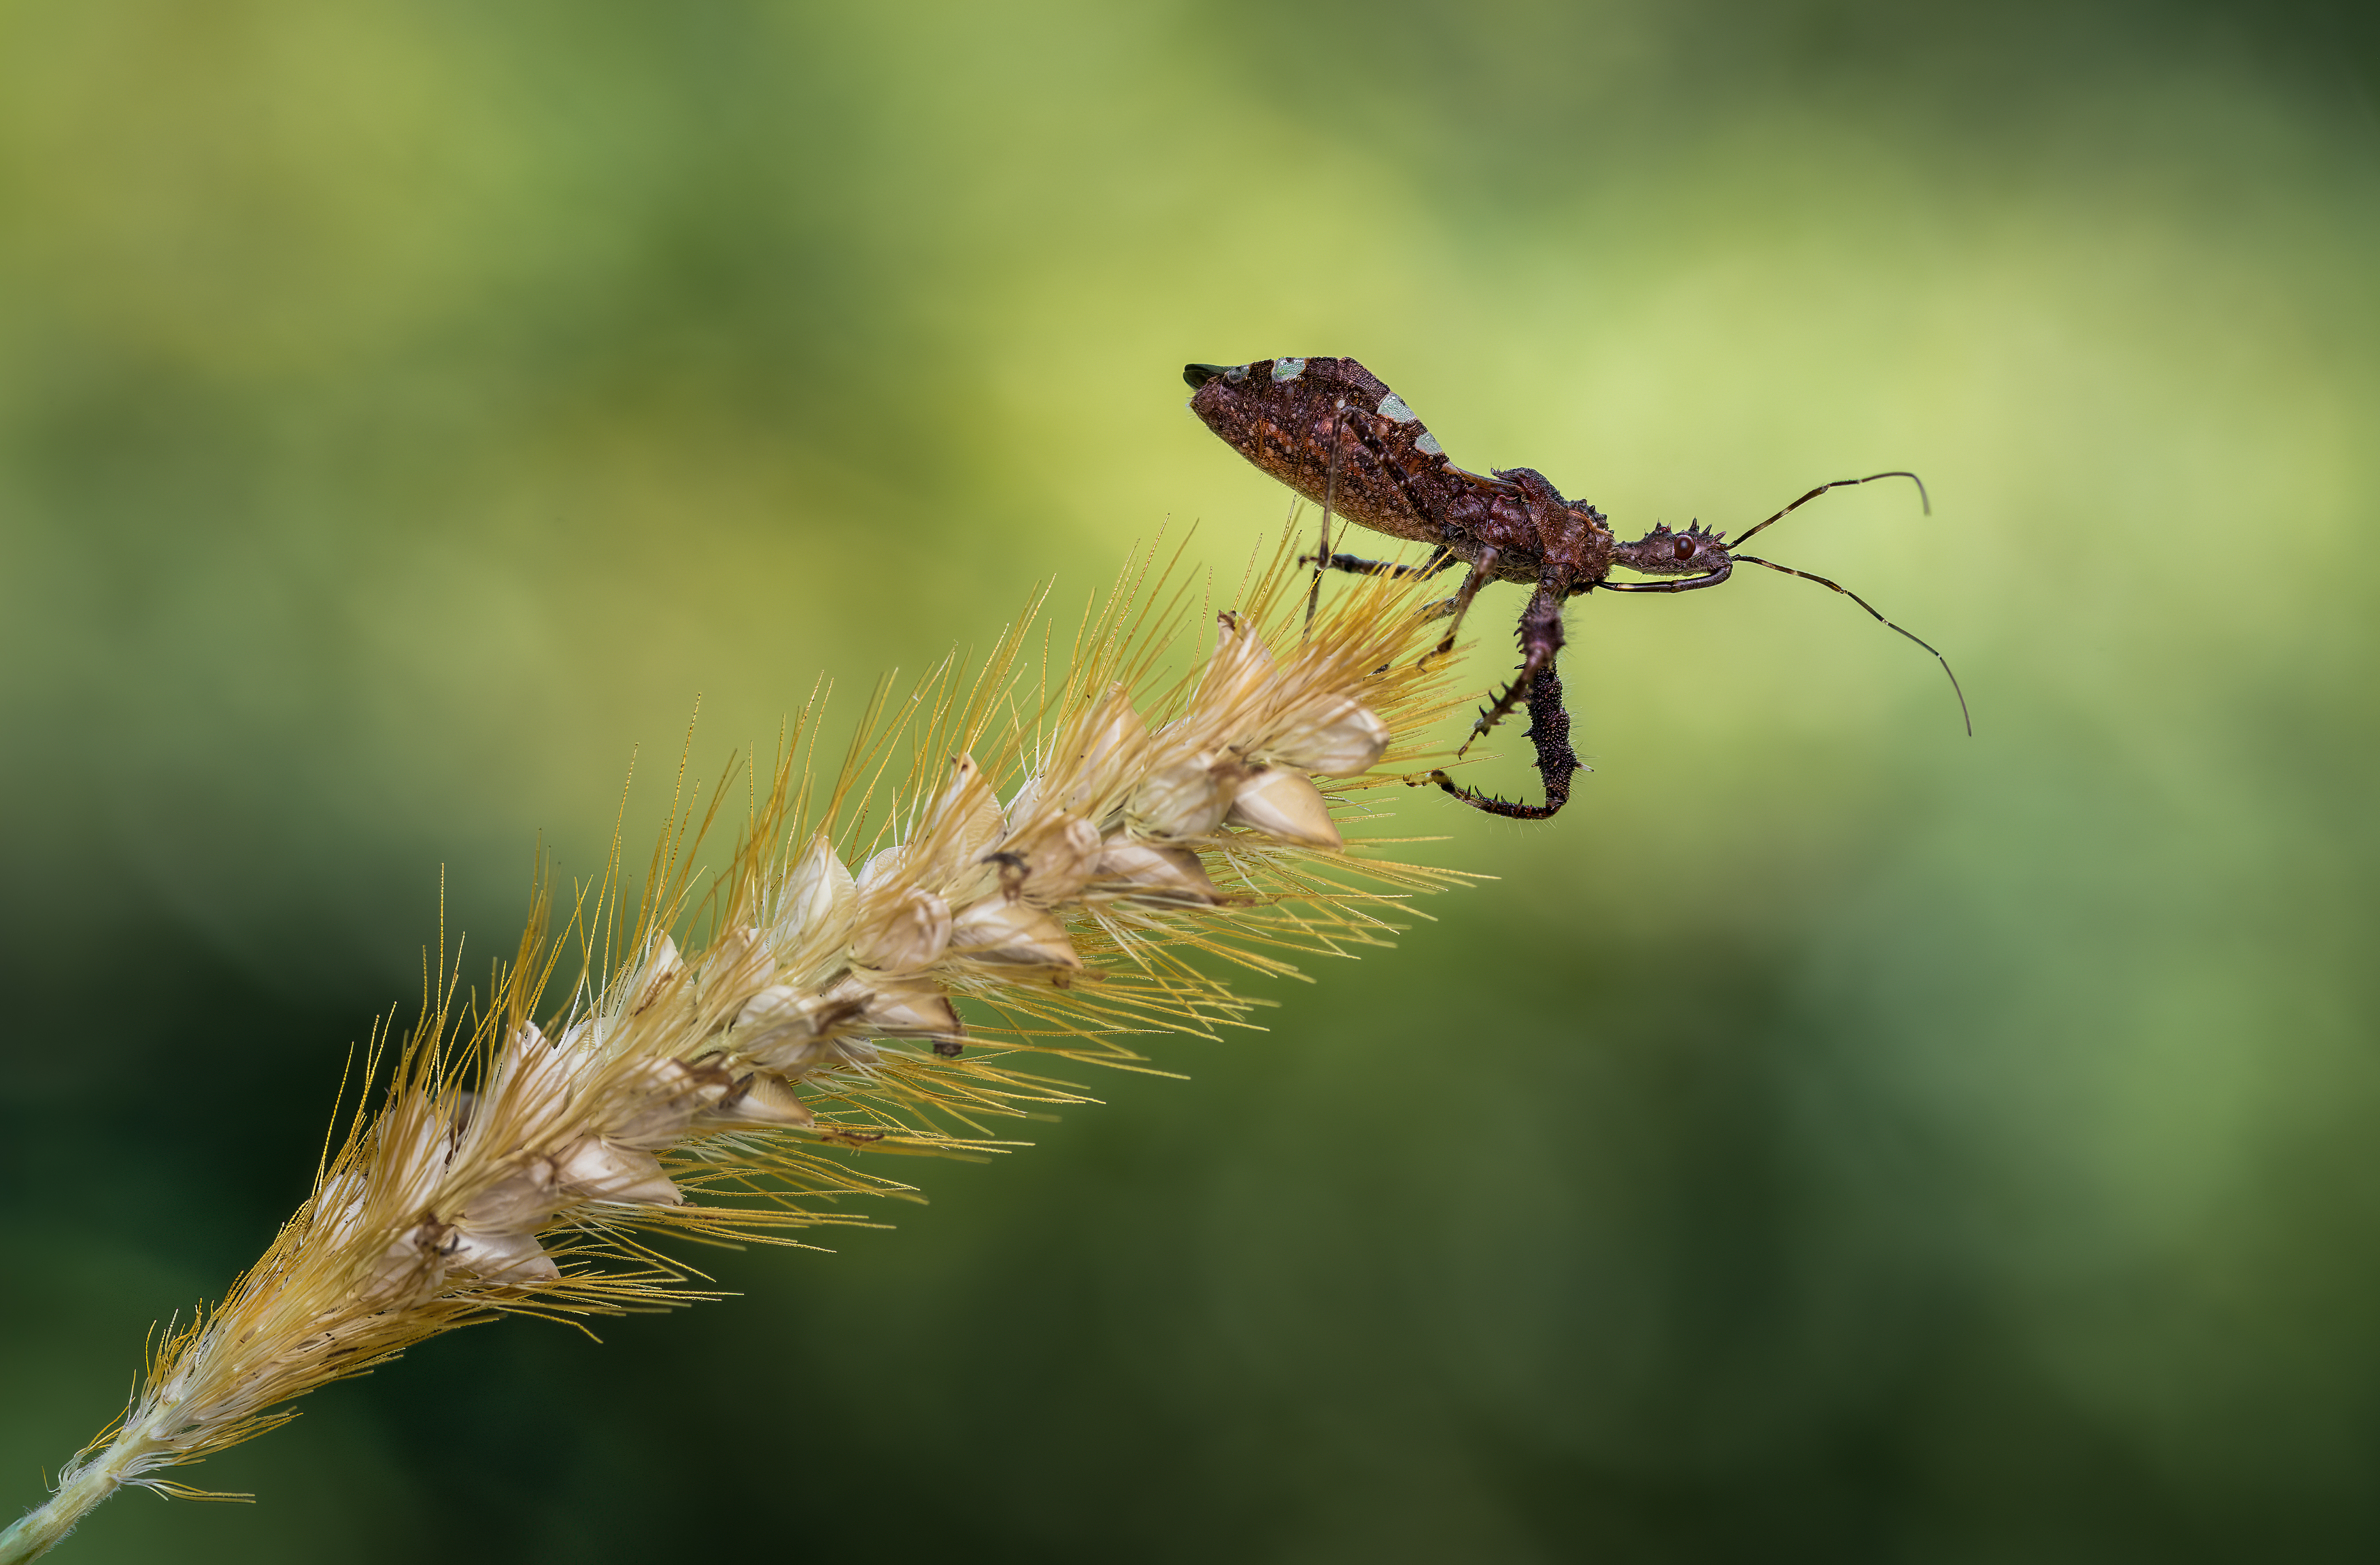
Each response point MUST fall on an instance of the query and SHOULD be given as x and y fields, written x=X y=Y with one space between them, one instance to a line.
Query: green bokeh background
x=1832 y=1139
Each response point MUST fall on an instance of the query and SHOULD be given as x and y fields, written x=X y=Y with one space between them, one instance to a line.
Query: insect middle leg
x=1356 y=565
x=1483 y=570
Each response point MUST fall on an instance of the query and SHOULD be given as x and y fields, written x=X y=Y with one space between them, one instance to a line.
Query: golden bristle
x=889 y=962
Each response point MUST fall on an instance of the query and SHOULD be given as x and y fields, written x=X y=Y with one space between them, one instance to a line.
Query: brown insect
x=1330 y=431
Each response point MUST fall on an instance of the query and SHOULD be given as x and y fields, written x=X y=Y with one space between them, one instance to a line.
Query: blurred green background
x=1832 y=1139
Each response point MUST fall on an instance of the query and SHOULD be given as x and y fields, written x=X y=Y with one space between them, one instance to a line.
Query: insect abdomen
x=1284 y=415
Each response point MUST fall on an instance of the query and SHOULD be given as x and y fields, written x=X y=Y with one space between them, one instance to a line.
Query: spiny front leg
x=1540 y=685
x=1556 y=762
x=1541 y=643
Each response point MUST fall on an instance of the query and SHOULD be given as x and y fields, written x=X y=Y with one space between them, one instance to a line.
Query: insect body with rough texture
x=1332 y=432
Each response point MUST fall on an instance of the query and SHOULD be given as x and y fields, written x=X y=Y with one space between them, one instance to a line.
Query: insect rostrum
x=1329 y=429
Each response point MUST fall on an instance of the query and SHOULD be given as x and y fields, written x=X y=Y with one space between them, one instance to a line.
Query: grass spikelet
x=1032 y=865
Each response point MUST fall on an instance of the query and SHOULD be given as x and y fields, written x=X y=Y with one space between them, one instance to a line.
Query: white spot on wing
x=1392 y=407
x=1428 y=445
x=1288 y=369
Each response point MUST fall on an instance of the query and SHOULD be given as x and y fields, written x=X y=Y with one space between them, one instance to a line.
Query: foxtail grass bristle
x=1030 y=867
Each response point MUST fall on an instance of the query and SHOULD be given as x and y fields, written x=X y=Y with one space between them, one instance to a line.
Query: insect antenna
x=1838 y=586
x=1924 y=500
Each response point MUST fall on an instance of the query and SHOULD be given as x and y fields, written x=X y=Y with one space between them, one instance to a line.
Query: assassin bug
x=1329 y=429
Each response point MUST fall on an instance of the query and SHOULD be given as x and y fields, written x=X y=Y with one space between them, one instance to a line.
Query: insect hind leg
x=1350 y=424
x=1483 y=570
x=1353 y=424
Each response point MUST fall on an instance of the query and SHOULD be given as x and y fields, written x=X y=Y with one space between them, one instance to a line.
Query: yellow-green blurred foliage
x=1833 y=1138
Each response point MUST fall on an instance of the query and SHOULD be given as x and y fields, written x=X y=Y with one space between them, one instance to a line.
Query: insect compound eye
x=1683 y=549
